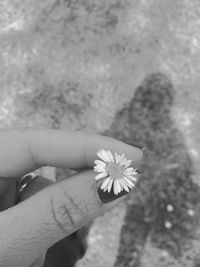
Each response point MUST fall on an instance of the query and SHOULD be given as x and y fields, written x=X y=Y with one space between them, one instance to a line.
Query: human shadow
x=165 y=205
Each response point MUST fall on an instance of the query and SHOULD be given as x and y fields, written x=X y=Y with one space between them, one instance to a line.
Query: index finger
x=24 y=150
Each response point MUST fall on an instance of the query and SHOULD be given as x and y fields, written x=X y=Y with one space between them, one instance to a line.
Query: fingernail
x=136 y=145
x=106 y=197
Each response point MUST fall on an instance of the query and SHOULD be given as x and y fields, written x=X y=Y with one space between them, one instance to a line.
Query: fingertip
x=98 y=142
x=136 y=154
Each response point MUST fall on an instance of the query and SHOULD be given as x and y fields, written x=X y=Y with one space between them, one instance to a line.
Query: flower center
x=115 y=171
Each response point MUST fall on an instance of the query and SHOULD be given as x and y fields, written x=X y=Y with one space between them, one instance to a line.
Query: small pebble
x=194 y=153
x=170 y=208
x=191 y=212
x=164 y=254
x=168 y=225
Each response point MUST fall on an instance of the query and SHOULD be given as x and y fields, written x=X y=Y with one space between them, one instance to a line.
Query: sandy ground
x=129 y=69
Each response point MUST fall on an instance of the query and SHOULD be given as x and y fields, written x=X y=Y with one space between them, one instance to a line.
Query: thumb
x=48 y=216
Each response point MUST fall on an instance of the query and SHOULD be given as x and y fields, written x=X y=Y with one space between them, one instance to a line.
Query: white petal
x=117 y=187
x=110 y=155
x=131 y=178
x=117 y=158
x=106 y=155
x=122 y=158
x=124 y=161
x=110 y=185
x=100 y=166
x=123 y=184
x=99 y=169
x=105 y=183
x=120 y=186
x=129 y=171
x=129 y=182
x=128 y=163
x=134 y=171
x=100 y=163
x=103 y=155
x=101 y=175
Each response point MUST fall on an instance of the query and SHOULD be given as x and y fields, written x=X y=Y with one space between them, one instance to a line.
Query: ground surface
x=129 y=69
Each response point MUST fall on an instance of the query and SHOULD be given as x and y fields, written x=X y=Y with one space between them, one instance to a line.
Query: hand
x=32 y=226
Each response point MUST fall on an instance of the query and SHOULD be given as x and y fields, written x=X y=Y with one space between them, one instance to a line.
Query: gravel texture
x=129 y=69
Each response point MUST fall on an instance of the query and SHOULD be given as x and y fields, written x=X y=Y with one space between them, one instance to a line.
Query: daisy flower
x=116 y=172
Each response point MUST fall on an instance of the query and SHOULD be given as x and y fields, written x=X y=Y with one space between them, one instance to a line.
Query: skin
x=49 y=212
